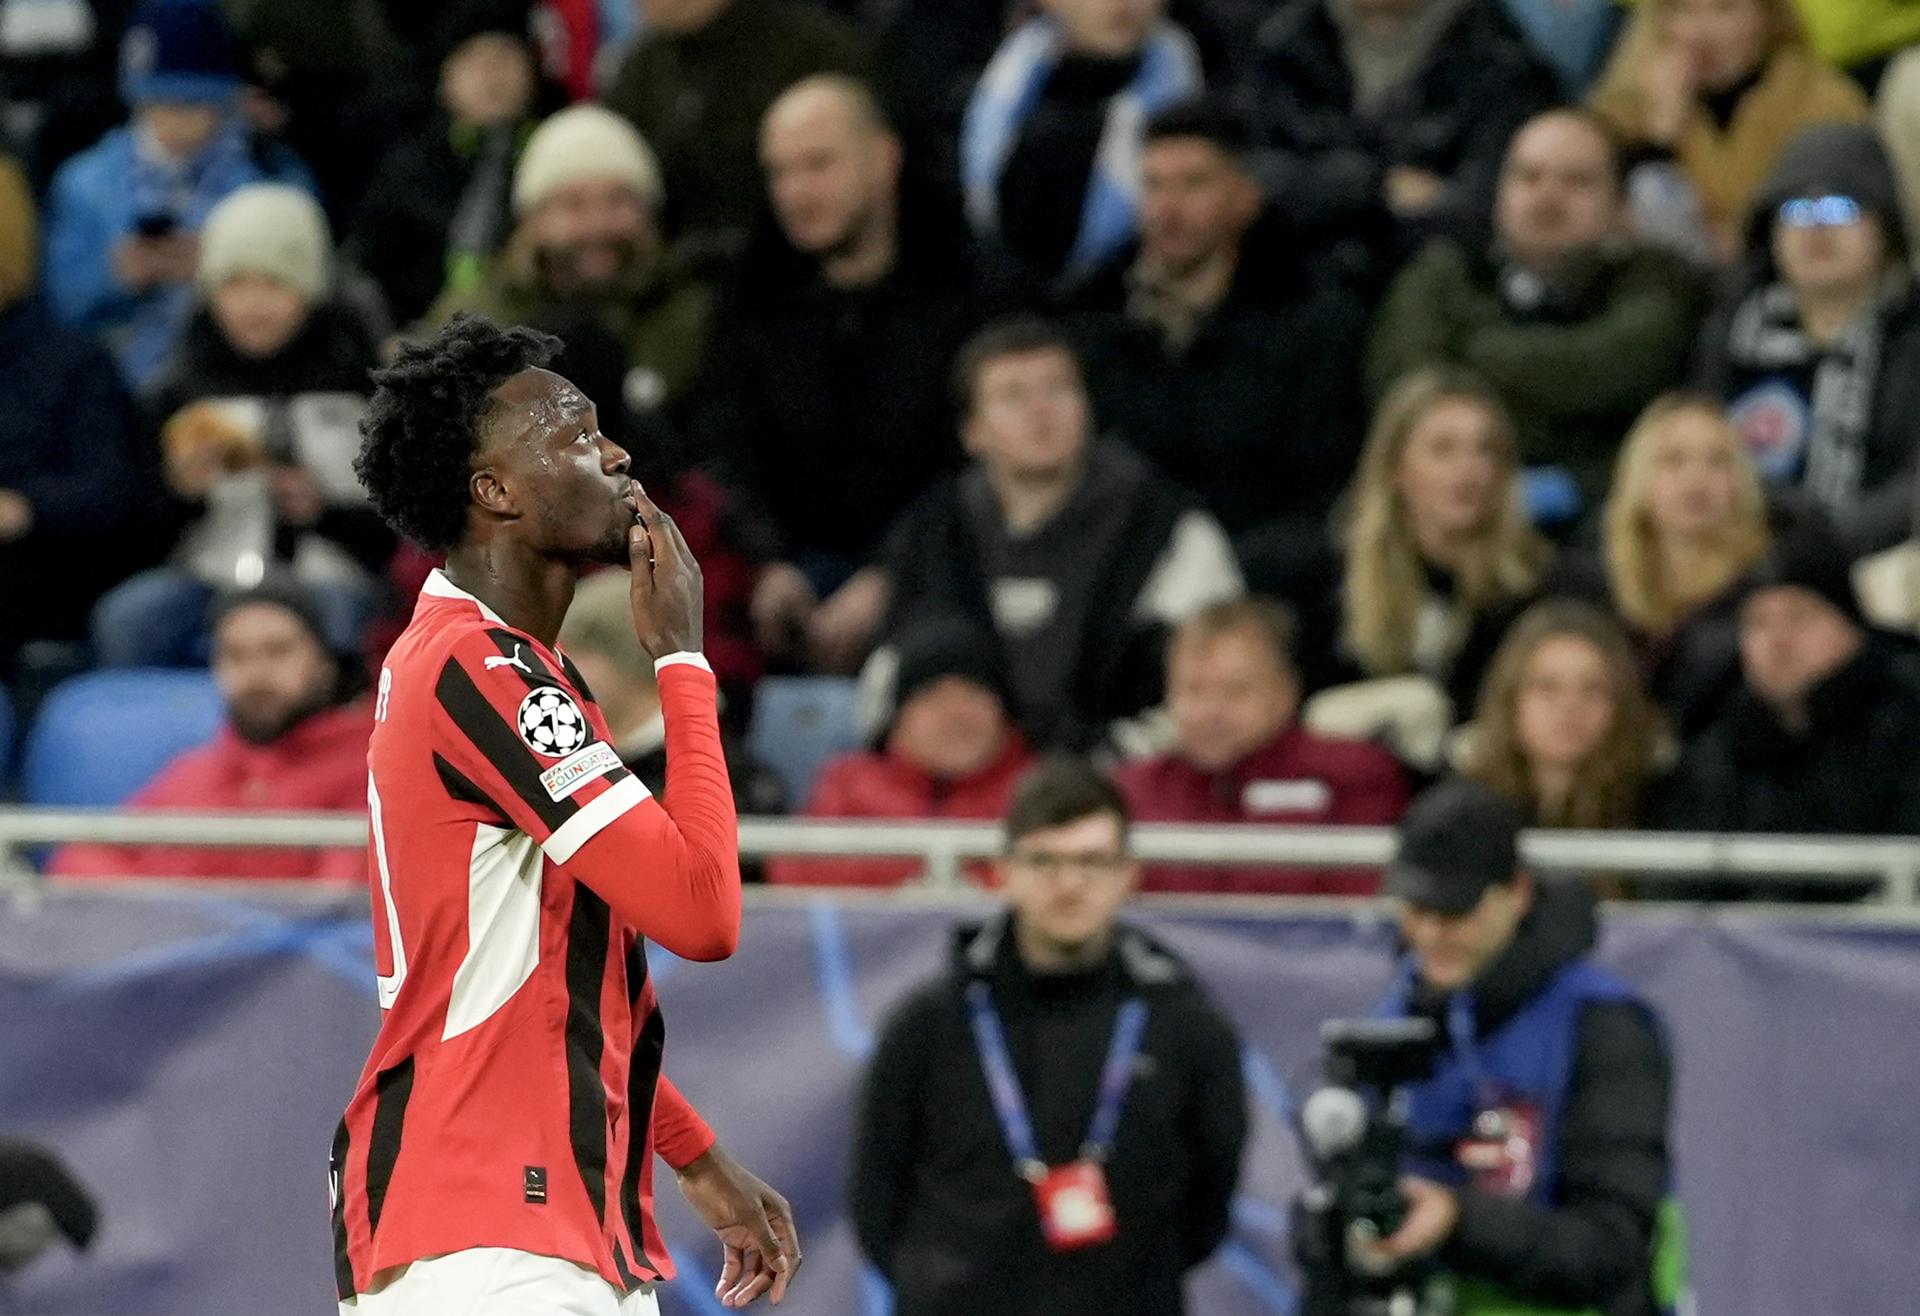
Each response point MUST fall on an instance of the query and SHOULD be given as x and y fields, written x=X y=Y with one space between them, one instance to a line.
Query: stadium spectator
x=1859 y=34
x=295 y=739
x=1049 y=150
x=1685 y=522
x=1074 y=552
x=1383 y=122
x=698 y=85
x=1240 y=755
x=1820 y=736
x=834 y=352
x=1564 y=729
x=587 y=197
x=1817 y=352
x=258 y=419
x=326 y=80
x=1574 y=324
x=1039 y=998
x=68 y=469
x=1720 y=87
x=40 y=1201
x=439 y=207
x=599 y=640
x=1211 y=350
x=949 y=751
x=123 y=217
x=1565 y=1207
x=1438 y=556
x=59 y=80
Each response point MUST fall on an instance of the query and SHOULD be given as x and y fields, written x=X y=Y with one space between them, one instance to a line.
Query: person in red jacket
x=295 y=739
x=951 y=751
x=1241 y=755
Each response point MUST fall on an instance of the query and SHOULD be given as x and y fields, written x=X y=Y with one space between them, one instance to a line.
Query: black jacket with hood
x=1848 y=160
x=1850 y=771
x=1260 y=412
x=935 y=1199
x=805 y=381
x=1593 y=1247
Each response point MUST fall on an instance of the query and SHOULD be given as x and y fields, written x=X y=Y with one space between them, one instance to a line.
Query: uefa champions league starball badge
x=551 y=723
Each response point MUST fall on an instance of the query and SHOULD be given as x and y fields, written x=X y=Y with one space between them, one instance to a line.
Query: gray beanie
x=270 y=229
x=1844 y=159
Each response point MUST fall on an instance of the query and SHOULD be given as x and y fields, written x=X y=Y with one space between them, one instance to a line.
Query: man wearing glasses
x=1054 y=1124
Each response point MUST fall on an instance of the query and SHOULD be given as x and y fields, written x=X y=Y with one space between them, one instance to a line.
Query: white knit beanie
x=270 y=229
x=582 y=142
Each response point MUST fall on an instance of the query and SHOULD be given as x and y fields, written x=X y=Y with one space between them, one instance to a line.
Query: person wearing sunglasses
x=1816 y=351
x=1054 y=1124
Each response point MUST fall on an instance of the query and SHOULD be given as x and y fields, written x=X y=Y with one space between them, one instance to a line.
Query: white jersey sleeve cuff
x=675 y=659
x=594 y=817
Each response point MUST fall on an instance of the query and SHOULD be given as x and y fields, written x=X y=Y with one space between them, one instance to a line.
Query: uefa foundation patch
x=570 y=774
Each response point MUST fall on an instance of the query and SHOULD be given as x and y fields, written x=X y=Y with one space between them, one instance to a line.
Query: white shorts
x=497 y=1281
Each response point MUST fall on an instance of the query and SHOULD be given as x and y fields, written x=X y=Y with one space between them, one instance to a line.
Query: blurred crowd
x=1287 y=402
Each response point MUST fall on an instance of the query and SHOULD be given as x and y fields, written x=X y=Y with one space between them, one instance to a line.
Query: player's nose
x=613 y=458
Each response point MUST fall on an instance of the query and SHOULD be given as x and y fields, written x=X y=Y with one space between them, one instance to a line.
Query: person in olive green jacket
x=1570 y=321
x=587 y=245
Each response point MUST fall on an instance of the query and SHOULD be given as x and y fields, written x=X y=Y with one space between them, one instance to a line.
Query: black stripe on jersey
x=501 y=745
x=465 y=791
x=587 y=936
x=642 y=1080
x=337 y=1183
x=392 y=1090
x=579 y=681
x=533 y=668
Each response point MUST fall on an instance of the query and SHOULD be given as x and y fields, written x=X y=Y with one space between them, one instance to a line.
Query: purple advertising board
x=189 y=1054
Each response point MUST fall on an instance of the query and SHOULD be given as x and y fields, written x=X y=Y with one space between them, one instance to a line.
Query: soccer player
x=497 y=1154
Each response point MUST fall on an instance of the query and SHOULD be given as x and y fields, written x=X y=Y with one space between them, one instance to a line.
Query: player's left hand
x=754 y=1224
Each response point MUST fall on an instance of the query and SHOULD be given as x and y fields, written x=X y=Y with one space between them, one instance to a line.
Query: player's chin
x=612 y=551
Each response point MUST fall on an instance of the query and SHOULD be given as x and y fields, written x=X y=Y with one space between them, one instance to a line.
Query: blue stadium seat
x=100 y=737
x=798 y=723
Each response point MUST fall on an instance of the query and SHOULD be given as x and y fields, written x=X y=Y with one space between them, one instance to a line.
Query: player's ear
x=492 y=493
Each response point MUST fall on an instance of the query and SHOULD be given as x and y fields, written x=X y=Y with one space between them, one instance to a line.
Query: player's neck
x=529 y=592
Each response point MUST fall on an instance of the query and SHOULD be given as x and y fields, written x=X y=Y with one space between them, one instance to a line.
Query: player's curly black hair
x=421 y=428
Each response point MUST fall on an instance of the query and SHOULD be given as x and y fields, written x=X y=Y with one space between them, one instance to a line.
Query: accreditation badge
x=1075 y=1210
x=1502 y=1152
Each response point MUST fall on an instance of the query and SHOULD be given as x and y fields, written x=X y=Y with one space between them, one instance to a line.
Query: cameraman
x=1539 y=1139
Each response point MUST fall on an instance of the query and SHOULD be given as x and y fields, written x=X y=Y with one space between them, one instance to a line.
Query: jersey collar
x=439 y=587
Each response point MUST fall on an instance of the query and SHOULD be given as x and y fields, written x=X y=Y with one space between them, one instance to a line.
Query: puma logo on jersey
x=514 y=661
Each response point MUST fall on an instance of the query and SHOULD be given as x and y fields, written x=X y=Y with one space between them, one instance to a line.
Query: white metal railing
x=944 y=846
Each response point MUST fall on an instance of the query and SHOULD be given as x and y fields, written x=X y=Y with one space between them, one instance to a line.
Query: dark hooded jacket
x=1773 y=403
x=1258 y=413
x=936 y=1202
x=1851 y=771
x=805 y=380
x=1326 y=164
x=1592 y=1247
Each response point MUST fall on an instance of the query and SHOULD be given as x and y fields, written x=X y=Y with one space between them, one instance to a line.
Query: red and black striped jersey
x=514 y=1095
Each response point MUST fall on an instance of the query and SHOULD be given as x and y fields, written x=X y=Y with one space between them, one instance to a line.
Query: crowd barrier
x=189 y=1050
x=1653 y=858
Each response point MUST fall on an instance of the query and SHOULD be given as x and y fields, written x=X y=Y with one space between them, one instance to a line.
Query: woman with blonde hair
x=1721 y=86
x=1685 y=522
x=1564 y=728
x=1439 y=554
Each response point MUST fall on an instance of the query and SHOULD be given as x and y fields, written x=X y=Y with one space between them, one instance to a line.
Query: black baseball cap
x=1457 y=840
